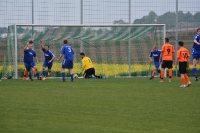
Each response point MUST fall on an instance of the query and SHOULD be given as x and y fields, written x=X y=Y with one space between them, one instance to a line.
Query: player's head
x=198 y=31
x=180 y=43
x=65 y=42
x=30 y=44
x=82 y=55
x=154 y=48
x=46 y=47
x=166 y=40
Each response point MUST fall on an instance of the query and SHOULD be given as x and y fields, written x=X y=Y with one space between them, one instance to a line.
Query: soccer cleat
x=196 y=79
x=170 y=80
x=24 y=78
x=44 y=78
x=161 y=81
x=49 y=73
x=151 y=78
x=188 y=84
x=40 y=78
x=182 y=86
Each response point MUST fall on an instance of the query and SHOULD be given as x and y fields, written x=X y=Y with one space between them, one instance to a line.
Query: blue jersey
x=68 y=52
x=48 y=55
x=28 y=55
x=196 y=47
x=155 y=55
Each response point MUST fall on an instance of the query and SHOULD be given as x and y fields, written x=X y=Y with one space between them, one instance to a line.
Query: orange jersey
x=183 y=54
x=167 y=50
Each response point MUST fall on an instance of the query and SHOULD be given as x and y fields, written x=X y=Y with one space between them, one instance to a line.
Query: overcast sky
x=94 y=11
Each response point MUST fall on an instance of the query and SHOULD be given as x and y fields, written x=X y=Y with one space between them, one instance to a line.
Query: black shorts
x=182 y=67
x=89 y=72
x=167 y=64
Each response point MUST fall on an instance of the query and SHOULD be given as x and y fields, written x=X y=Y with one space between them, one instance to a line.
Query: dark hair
x=198 y=29
x=65 y=41
x=47 y=46
x=166 y=39
x=30 y=42
x=82 y=54
x=180 y=43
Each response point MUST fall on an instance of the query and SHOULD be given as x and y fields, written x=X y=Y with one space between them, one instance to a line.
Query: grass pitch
x=124 y=105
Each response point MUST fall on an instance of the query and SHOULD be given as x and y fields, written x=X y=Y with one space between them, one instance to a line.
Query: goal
x=116 y=50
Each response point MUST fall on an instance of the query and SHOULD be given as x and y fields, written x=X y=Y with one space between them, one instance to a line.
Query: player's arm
x=188 y=60
x=36 y=59
x=41 y=44
x=161 y=55
x=177 y=59
x=83 y=65
x=61 y=55
x=53 y=57
x=25 y=48
x=150 y=57
x=195 y=41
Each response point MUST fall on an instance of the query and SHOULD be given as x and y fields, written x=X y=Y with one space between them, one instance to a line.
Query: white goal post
x=83 y=25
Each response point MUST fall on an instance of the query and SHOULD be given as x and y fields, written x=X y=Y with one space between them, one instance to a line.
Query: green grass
x=124 y=105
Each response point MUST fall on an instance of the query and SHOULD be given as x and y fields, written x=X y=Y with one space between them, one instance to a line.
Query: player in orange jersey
x=183 y=59
x=167 y=54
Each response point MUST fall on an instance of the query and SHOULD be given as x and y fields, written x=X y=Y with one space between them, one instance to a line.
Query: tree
x=119 y=22
x=196 y=17
x=3 y=30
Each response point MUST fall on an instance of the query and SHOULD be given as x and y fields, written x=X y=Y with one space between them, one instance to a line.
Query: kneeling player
x=29 y=63
x=183 y=59
x=155 y=53
x=87 y=67
x=49 y=57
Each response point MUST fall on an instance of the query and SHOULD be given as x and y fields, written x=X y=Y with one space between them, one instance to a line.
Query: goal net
x=116 y=50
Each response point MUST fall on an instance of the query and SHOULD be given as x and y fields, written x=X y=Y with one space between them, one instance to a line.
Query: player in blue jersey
x=196 y=53
x=48 y=62
x=68 y=60
x=29 y=56
x=155 y=53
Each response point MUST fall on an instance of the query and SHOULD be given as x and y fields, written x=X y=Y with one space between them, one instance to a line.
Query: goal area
x=115 y=50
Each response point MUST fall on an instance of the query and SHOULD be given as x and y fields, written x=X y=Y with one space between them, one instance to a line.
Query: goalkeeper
x=87 y=67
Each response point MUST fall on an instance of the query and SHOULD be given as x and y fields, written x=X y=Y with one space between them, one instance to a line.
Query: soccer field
x=118 y=105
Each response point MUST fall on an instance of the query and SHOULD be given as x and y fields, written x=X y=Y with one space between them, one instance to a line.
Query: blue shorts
x=67 y=64
x=29 y=65
x=46 y=64
x=196 y=56
x=157 y=64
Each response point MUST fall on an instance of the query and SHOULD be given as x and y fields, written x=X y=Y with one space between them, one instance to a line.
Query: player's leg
x=194 y=67
x=182 y=70
x=35 y=70
x=70 y=65
x=153 y=73
x=44 y=70
x=25 y=74
x=182 y=80
x=169 y=66
x=28 y=68
x=156 y=67
x=185 y=75
x=63 y=70
x=86 y=74
x=163 y=66
x=49 y=68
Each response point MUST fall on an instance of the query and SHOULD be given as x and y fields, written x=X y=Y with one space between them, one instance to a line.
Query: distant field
x=115 y=105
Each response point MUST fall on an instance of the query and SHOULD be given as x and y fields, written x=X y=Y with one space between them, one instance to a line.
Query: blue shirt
x=48 y=55
x=155 y=55
x=196 y=47
x=28 y=56
x=68 y=52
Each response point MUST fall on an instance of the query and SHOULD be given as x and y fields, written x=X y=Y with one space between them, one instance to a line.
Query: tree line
x=169 y=18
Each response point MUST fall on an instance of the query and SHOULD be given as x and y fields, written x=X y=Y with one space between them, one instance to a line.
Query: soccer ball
x=75 y=76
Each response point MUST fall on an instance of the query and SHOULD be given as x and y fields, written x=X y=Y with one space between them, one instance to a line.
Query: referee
x=87 y=67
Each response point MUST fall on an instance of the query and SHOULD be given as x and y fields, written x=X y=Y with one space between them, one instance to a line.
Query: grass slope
x=124 y=105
